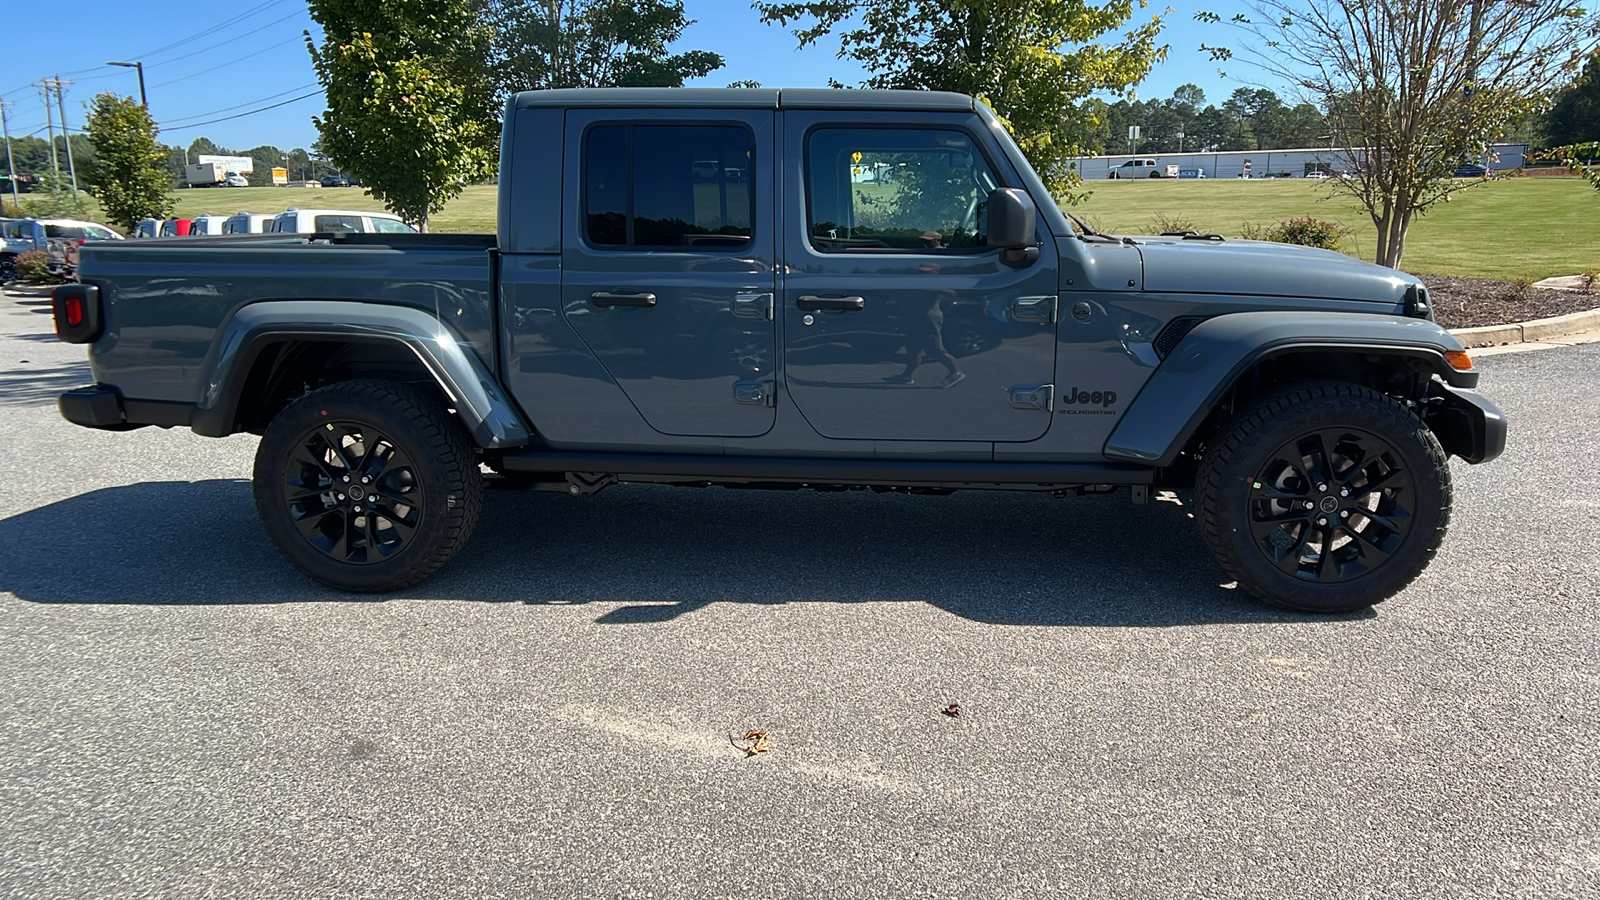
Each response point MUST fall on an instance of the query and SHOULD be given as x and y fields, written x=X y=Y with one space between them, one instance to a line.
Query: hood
x=1260 y=268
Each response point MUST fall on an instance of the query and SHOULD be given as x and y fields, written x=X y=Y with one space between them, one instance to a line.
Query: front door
x=899 y=322
x=667 y=265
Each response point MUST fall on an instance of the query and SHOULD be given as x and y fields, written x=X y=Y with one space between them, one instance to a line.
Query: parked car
x=175 y=228
x=58 y=237
x=1138 y=168
x=147 y=228
x=339 y=181
x=247 y=223
x=234 y=179
x=1472 y=170
x=1308 y=399
x=339 y=221
x=1318 y=175
x=200 y=226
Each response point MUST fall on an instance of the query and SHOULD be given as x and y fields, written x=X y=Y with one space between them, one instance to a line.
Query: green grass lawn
x=1514 y=227
x=1528 y=227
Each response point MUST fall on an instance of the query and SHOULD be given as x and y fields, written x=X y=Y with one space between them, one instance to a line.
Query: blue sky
x=198 y=72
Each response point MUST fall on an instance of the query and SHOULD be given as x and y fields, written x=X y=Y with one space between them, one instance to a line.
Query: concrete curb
x=1536 y=330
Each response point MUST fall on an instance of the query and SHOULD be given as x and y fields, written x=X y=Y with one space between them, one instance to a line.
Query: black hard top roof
x=745 y=98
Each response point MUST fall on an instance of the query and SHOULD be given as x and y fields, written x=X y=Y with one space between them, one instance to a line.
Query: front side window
x=668 y=187
x=907 y=189
x=391 y=226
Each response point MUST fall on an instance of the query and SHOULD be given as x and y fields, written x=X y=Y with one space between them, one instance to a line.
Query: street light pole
x=140 y=66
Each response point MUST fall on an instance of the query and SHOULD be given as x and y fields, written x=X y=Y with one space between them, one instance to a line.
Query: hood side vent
x=1173 y=332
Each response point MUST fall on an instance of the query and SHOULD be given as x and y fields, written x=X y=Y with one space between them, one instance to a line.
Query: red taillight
x=74 y=310
x=82 y=241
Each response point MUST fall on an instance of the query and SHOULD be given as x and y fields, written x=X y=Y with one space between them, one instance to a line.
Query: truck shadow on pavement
x=34 y=385
x=645 y=554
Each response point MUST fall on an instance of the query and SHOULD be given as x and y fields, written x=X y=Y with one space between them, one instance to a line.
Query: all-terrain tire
x=1329 y=531
x=415 y=509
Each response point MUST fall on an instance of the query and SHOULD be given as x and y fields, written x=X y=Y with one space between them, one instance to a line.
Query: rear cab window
x=668 y=187
x=337 y=225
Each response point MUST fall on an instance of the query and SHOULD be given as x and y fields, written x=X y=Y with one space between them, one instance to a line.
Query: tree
x=263 y=159
x=1032 y=61
x=590 y=43
x=411 y=111
x=131 y=179
x=1415 y=87
x=204 y=145
x=1575 y=115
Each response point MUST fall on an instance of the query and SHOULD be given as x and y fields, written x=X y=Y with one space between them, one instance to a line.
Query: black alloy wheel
x=367 y=485
x=352 y=493
x=1331 y=505
x=1324 y=497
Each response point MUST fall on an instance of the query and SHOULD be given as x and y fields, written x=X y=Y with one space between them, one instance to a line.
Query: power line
x=179 y=121
x=234 y=61
x=250 y=113
x=208 y=31
x=222 y=43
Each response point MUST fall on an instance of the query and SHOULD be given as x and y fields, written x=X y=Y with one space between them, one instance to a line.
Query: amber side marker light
x=1458 y=360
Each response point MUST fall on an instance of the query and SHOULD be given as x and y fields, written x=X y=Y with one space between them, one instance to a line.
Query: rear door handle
x=813 y=303
x=609 y=298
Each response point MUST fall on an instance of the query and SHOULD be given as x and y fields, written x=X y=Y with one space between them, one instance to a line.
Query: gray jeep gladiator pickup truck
x=797 y=288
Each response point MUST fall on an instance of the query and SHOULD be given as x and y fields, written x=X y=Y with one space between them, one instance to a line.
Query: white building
x=1267 y=163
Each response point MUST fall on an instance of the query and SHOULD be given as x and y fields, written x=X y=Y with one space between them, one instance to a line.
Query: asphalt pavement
x=554 y=714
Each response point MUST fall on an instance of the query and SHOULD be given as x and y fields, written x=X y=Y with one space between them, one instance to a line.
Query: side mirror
x=1011 y=225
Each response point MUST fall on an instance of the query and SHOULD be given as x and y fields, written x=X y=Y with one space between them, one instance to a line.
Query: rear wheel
x=367 y=485
x=1324 y=497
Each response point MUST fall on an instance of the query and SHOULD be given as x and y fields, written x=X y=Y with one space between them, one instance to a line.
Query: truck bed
x=166 y=298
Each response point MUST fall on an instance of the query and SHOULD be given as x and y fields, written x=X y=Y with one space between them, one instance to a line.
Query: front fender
x=483 y=407
x=1186 y=387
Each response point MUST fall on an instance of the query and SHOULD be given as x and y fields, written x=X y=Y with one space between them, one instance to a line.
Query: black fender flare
x=489 y=415
x=1186 y=387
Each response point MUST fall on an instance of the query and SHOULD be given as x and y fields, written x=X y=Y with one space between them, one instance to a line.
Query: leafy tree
x=131 y=181
x=204 y=145
x=590 y=43
x=411 y=111
x=263 y=159
x=53 y=197
x=1033 y=61
x=1415 y=87
x=1575 y=114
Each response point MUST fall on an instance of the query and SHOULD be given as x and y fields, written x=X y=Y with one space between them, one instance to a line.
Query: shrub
x=33 y=266
x=1161 y=223
x=8 y=211
x=1521 y=288
x=1306 y=232
x=1587 y=280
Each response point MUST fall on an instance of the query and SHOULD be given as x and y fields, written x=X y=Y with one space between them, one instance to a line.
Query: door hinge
x=756 y=393
x=751 y=305
x=1034 y=309
x=1032 y=396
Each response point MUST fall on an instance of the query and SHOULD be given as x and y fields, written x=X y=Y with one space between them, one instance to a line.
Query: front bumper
x=1466 y=423
x=103 y=406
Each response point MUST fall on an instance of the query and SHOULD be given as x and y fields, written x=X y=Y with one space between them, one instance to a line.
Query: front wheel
x=1324 y=497
x=367 y=485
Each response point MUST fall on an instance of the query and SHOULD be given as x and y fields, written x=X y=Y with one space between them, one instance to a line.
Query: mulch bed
x=1471 y=302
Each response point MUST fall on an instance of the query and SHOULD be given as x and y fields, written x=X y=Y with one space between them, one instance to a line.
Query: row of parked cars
x=292 y=221
x=61 y=238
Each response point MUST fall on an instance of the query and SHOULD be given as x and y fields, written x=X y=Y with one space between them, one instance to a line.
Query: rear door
x=667 y=264
x=900 y=322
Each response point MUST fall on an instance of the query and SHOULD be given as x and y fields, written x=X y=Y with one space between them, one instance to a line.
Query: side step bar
x=812 y=470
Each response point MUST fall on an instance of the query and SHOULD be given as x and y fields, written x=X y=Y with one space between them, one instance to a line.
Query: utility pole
x=50 y=129
x=66 y=136
x=11 y=172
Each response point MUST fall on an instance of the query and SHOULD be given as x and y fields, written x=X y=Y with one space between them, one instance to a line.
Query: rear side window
x=668 y=187
x=338 y=225
x=63 y=231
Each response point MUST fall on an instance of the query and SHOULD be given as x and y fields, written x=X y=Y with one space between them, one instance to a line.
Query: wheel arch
x=267 y=352
x=1228 y=360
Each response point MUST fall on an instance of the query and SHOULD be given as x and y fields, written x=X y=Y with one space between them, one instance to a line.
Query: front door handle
x=609 y=298
x=813 y=303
